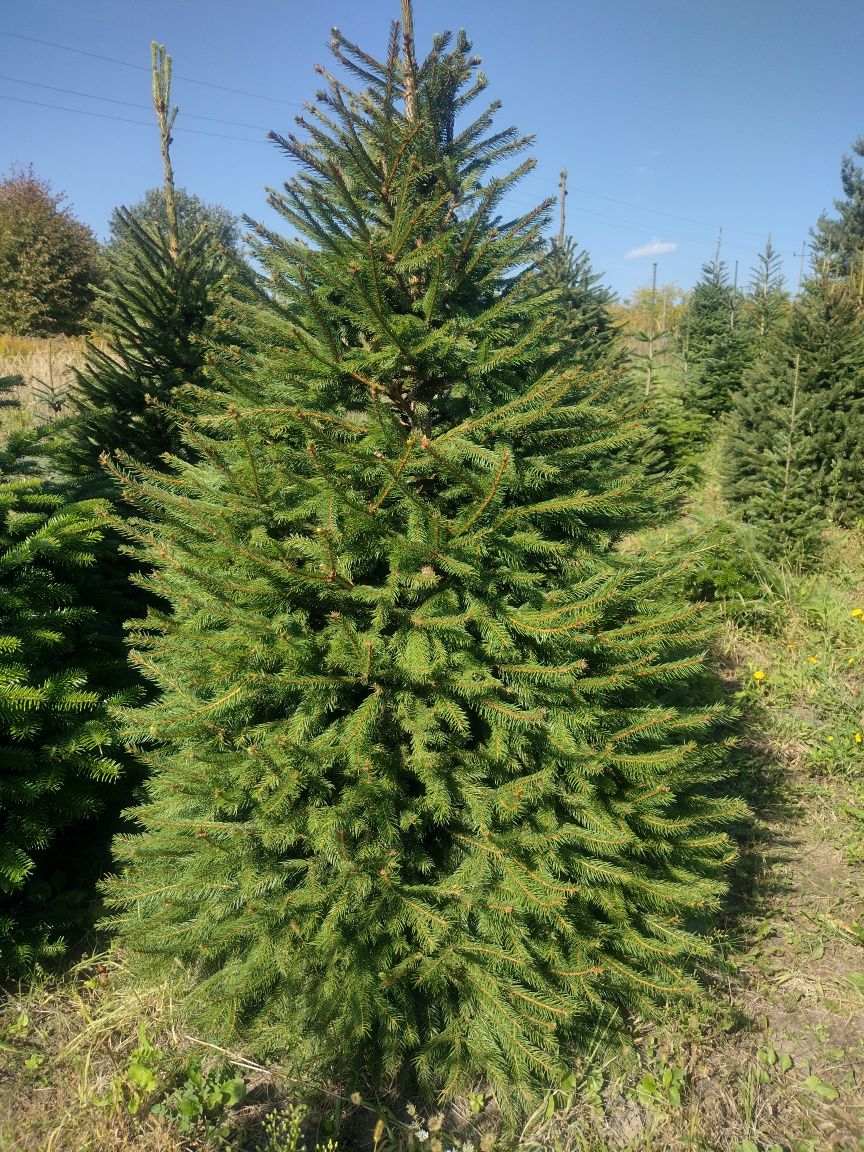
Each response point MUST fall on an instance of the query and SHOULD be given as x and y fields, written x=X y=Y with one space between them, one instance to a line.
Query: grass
x=63 y=1046
x=770 y=1058
x=46 y=368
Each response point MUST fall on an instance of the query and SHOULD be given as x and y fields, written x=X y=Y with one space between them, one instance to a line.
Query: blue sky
x=673 y=118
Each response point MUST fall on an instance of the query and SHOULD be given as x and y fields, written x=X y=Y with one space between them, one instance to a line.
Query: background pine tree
x=767 y=302
x=165 y=280
x=151 y=353
x=713 y=343
x=428 y=799
x=770 y=468
x=839 y=241
x=829 y=331
x=795 y=459
x=586 y=333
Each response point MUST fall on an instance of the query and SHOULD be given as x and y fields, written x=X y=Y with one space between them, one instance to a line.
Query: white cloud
x=655 y=248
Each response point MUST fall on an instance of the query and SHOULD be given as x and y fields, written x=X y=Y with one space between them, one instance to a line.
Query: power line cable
x=129 y=103
x=592 y=217
x=587 y=216
x=126 y=120
x=605 y=221
x=643 y=208
x=142 y=68
x=294 y=104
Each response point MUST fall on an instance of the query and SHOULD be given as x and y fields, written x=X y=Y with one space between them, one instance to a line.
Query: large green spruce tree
x=429 y=794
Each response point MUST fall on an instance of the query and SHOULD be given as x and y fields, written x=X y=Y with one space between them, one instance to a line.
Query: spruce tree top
x=406 y=290
x=587 y=333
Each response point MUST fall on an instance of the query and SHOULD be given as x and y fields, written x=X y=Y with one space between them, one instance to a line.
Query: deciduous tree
x=49 y=261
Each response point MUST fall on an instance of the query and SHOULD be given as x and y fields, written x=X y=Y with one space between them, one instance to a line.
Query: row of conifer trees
x=778 y=383
x=420 y=770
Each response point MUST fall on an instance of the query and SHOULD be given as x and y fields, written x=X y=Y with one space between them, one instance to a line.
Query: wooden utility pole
x=563 y=207
x=166 y=115
x=409 y=61
x=792 y=417
x=652 y=331
x=802 y=254
x=826 y=262
x=734 y=299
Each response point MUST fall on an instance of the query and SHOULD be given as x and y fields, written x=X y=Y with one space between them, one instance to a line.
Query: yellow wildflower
x=759 y=674
x=858 y=737
x=830 y=738
x=857 y=612
x=812 y=659
x=851 y=660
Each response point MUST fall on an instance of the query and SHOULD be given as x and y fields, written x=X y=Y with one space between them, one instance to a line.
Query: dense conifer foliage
x=794 y=458
x=427 y=797
x=838 y=241
x=154 y=312
x=57 y=671
x=713 y=343
x=586 y=334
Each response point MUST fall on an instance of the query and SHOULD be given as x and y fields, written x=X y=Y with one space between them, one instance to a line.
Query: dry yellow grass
x=64 y=1046
x=46 y=368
